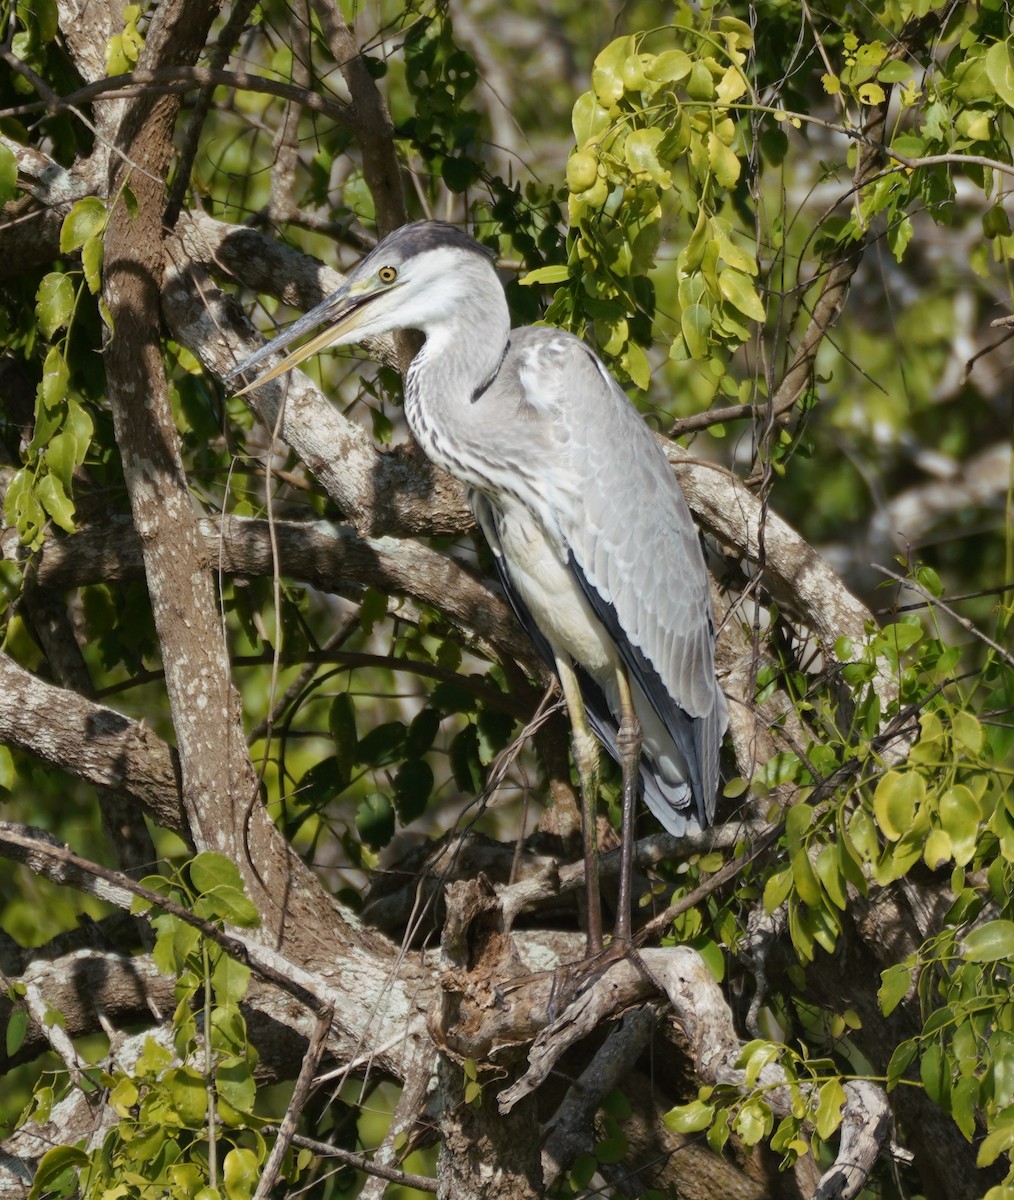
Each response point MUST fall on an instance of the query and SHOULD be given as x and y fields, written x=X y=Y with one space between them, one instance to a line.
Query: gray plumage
x=593 y=540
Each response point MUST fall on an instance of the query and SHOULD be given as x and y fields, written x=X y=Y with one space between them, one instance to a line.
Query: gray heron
x=592 y=538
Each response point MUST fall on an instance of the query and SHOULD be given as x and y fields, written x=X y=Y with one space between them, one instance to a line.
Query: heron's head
x=424 y=276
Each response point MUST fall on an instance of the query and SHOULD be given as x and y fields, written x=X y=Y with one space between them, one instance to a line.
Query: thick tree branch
x=94 y=743
x=330 y=557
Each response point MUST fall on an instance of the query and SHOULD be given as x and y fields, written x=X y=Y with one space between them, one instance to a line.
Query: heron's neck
x=447 y=380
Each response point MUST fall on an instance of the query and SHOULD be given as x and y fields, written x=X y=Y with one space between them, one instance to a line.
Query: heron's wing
x=599 y=714
x=631 y=541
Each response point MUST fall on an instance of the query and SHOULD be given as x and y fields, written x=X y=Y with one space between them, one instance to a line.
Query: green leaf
x=635 y=362
x=752 y=1121
x=226 y=903
x=588 y=118
x=91 y=262
x=341 y=720
x=582 y=1171
x=935 y=1074
x=382 y=745
x=754 y=1057
x=240 y=1173
x=52 y=1165
x=994 y=1144
x=234 y=1082
x=895 y=982
x=641 y=152
x=559 y=273
x=872 y=93
x=54 y=302
x=828 y=869
x=990 y=942
x=187 y=1094
x=695 y=323
x=229 y=979
x=375 y=820
x=669 y=67
x=777 y=888
x=422 y=732
x=412 y=787
x=960 y=817
x=62 y=457
x=999 y=61
x=964 y=1100
x=723 y=161
x=739 y=291
x=8 y=174
x=55 y=377
x=17 y=1026
x=966 y=731
x=896 y=800
x=86 y=218
x=7 y=771
x=689 y=1118
x=901 y=1060
x=830 y=1103
x=56 y=502
x=895 y=71
x=209 y=869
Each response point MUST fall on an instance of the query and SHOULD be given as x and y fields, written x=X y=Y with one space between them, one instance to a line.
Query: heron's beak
x=340 y=314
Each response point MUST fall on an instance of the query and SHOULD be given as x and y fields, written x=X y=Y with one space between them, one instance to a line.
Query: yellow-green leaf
x=56 y=502
x=635 y=362
x=990 y=942
x=240 y=1172
x=91 y=262
x=86 y=218
x=960 y=817
x=689 y=1118
x=739 y=291
x=999 y=62
x=55 y=377
x=723 y=161
x=555 y=274
x=640 y=150
x=967 y=731
x=872 y=93
x=731 y=86
x=588 y=118
x=582 y=171
x=670 y=67
x=896 y=800
x=54 y=302
x=8 y=174
x=938 y=849
x=695 y=323
x=829 y=1106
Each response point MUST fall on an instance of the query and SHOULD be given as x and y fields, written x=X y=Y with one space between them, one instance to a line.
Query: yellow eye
x=387 y=274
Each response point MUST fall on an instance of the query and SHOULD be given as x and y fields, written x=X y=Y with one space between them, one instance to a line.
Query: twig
x=18 y=840
x=182 y=79
x=936 y=602
x=421 y=1183
x=304 y=1082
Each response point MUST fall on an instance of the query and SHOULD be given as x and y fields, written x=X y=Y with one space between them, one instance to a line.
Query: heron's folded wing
x=634 y=549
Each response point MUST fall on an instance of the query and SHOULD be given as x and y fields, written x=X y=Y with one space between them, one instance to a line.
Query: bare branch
x=90 y=741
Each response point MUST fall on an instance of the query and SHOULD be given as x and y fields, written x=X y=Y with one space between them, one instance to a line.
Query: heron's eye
x=387 y=274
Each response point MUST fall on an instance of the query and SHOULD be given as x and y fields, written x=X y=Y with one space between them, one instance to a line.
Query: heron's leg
x=586 y=759
x=628 y=744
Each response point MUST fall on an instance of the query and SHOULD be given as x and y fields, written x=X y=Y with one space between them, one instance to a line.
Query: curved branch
x=90 y=741
x=330 y=557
